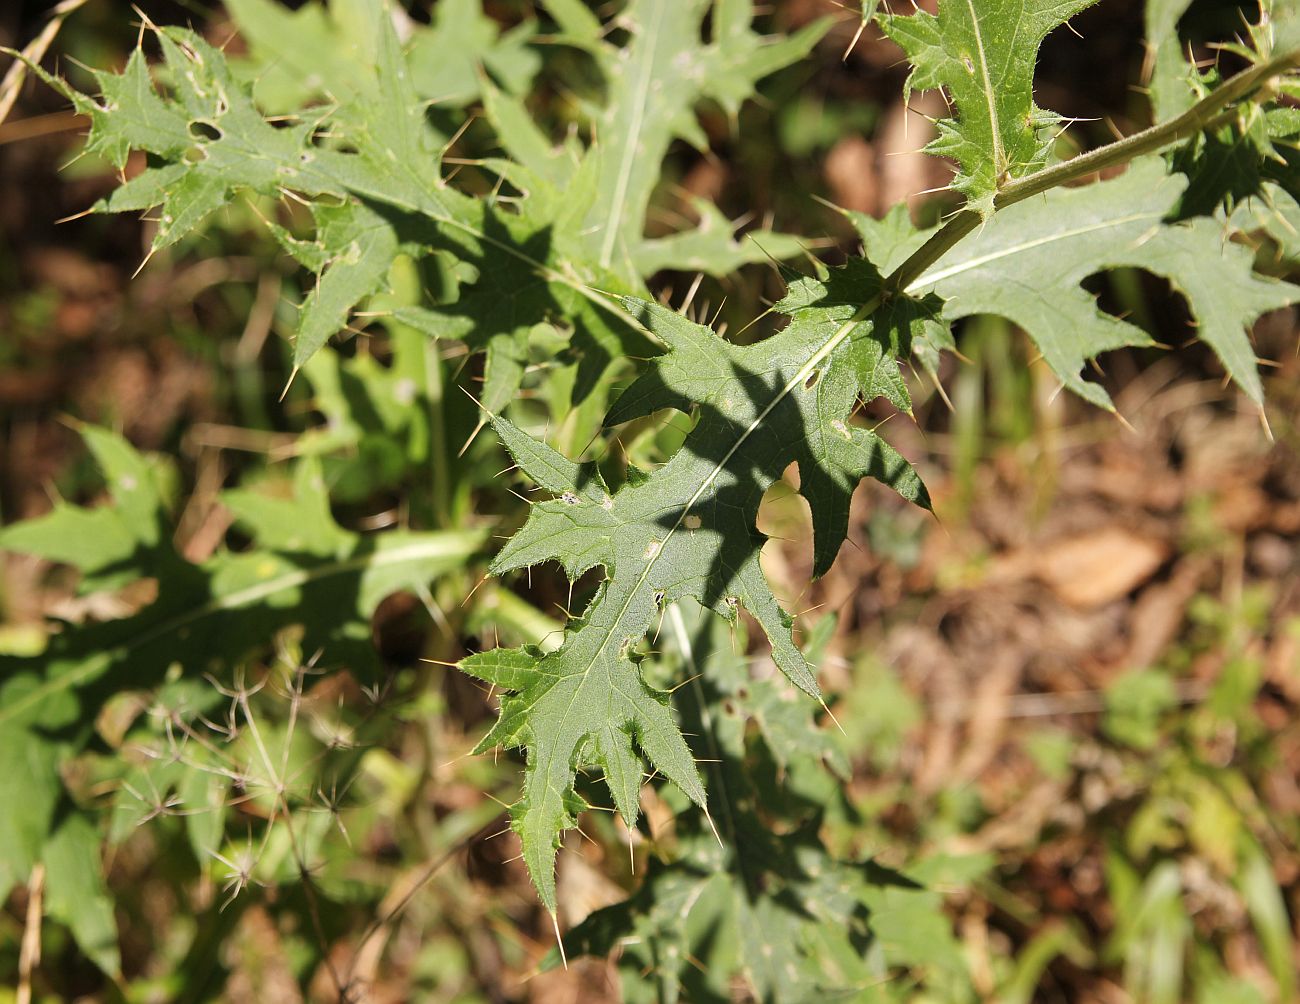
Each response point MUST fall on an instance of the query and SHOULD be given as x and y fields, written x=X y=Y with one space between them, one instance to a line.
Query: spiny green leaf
x=654 y=84
x=687 y=530
x=768 y=905
x=1274 y=211
x=208 y=141
x=358 y=246
x=982 y=53
x=382 y=197
x=1027 y=264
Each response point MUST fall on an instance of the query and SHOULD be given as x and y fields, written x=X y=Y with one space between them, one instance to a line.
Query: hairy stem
x=1206 y=113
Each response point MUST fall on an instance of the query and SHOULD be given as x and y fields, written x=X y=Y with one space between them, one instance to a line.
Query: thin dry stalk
x=30 y=954
x=35 y=52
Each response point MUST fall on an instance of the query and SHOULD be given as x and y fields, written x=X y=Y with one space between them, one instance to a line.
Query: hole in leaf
x=811 y=382
x=1143 y=299
x=618 y=35
x=205 y=131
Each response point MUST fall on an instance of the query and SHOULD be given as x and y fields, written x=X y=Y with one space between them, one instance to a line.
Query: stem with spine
x=1208 y=113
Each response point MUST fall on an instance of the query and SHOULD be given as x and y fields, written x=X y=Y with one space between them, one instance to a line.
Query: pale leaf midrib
x=616 y=210
x=828 y=347
x=990 y=96
x=803 y=373
x=931 y=279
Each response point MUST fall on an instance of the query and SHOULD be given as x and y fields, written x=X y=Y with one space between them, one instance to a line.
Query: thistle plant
x=344 y=144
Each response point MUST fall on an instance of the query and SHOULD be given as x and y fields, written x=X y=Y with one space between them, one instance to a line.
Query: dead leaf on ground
x=1097 y=568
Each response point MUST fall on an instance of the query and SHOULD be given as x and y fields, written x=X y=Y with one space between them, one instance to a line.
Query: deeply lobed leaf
x=982 y=53
x=369 y=162
x=768 y=907
x=1028 y=263
x=654 y=85
x=685 y=530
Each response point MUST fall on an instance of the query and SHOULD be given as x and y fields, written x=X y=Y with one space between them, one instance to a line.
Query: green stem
x=1205 y=114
